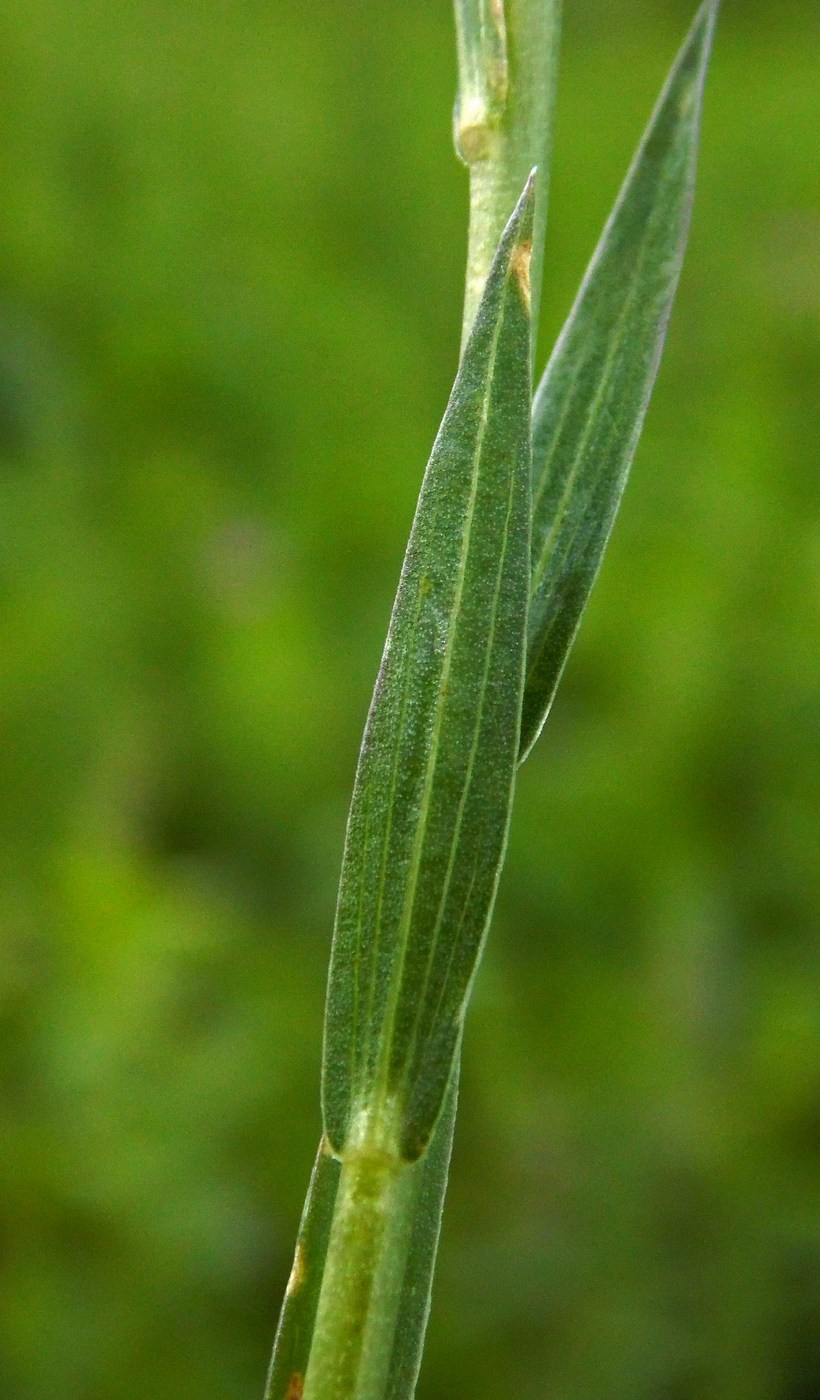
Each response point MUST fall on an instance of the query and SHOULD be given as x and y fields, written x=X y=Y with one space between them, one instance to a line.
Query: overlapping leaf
x=294 y=1335
x=590 y=405
x=431 y=802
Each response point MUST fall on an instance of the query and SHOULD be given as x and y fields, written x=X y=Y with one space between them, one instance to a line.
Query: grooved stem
x=501 y=132
x=361 y=1284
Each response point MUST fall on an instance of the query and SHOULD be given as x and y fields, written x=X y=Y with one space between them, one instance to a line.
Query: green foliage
x=504 y=551
x=227 y=332
x=425 y=842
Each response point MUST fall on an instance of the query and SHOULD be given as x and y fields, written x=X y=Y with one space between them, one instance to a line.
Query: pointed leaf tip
x=519 y=225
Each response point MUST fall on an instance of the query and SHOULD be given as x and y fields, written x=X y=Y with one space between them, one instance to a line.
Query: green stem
x=508 y=53
x=361 y=1287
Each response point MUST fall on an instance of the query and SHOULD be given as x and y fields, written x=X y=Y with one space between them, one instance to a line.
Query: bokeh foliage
x=231 y=253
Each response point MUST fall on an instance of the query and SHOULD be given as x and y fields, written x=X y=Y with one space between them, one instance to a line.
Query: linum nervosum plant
x=516 y=506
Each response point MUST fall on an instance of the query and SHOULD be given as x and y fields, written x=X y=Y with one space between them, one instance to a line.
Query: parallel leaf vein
x=435 y=738
x=603 y=388
x=436 y=935
x=391 y=806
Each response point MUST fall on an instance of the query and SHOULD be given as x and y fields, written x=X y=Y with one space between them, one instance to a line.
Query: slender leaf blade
x=590 y=405
x=431 y=801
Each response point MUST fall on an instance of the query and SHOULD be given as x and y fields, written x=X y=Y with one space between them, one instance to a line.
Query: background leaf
x=590 y=405
x=431 y=802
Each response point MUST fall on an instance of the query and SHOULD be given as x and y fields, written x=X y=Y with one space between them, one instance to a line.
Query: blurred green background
x=231 y=251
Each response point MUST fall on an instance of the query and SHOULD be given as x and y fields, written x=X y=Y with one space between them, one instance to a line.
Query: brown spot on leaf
x=521 y=259
x=296 y=1387
x=297 y=1273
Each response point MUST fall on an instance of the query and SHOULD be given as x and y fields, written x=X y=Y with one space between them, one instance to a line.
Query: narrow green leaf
x=431 y=801
x=294 y=1335
x=590 y=405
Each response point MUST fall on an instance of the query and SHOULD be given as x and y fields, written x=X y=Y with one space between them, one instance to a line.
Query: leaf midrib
x=461 y=809
x=391 y=807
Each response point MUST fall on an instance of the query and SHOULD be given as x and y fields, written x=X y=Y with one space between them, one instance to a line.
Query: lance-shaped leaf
x=590 y=404
x=431 y=801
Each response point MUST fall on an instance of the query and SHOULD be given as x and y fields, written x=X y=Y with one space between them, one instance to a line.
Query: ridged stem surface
x=508 y=57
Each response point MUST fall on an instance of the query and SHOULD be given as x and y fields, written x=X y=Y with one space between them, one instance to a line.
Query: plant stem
x=508 y=54
x=361 y=1287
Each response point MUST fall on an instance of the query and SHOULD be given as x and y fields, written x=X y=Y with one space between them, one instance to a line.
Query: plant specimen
x=515 y=510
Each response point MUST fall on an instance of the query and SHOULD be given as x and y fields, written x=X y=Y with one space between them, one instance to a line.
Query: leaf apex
x=703 y=27
x=519 y=227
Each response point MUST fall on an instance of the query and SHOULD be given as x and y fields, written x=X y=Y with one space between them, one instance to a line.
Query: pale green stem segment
x=426 y=1208
x=367 y=1337
x=413 y=1250
x=367 y=1251
x=508 y=60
